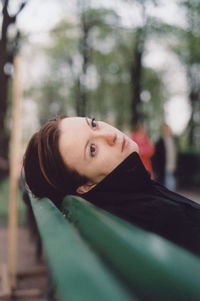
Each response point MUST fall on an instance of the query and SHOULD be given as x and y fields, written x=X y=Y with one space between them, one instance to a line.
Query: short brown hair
x=45 y=172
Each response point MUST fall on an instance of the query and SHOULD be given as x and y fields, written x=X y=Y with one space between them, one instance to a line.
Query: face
x=92 y=148
x=166 y=130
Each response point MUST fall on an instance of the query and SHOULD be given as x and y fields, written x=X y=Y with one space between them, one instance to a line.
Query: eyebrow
x=86 y=145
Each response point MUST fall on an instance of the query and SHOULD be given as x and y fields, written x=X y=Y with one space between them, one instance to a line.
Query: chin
x=128 y=153
x=133 y=148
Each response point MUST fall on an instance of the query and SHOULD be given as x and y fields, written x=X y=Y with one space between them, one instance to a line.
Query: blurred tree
x=102 y=85
x=56 y=90
x=111 y=96
x=8 y=48
x=114 y=90
x=140 y=38
x=187 y=50
x=72 y=73
x=96 y=27
x=136 y=72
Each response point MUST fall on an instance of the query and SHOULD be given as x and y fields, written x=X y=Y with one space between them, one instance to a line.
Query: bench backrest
x=77 y=271
x=94 y=255
x=153 y=268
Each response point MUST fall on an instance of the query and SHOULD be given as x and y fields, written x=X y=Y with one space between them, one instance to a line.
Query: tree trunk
x=191 y=125
x=4 y=83
x=84 y=49
x=5 y=56
x=136 y=76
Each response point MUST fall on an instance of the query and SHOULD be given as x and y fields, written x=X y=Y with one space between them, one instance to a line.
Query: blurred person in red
x=146 y=147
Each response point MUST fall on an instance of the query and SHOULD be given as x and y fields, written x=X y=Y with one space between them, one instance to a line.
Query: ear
x=85 y=188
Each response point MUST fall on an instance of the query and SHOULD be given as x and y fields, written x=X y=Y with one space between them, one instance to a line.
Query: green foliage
x=186 y=48
x=113 y=89
x=91 y=60
x=153 y=100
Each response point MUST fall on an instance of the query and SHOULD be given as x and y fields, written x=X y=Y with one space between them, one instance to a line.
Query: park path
x=191 y=194
x=27 y=264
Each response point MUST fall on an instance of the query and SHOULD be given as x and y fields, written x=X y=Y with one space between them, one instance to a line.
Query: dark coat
x=129 y=193
x=159 y=161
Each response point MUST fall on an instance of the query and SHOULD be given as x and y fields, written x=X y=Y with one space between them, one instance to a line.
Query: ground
x=27 y=264
x=191 y=194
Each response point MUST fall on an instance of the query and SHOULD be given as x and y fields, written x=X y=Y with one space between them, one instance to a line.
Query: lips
x=124 y=142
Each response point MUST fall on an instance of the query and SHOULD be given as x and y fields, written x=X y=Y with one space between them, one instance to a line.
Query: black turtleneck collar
x=128 y=192
x=128 y=177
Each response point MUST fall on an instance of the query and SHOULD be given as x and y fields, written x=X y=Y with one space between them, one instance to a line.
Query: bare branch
x=5 y=8
x=23 y=4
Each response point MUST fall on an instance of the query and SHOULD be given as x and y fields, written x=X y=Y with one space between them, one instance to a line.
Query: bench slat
x=154 y=268
x=77 y=272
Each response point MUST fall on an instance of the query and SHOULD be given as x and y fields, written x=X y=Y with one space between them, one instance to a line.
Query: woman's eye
x=94 y=123
x=92 y=150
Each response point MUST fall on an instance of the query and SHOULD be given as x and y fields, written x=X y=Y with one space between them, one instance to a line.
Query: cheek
x=73 y=161
x=107 y=159
x=112 y=162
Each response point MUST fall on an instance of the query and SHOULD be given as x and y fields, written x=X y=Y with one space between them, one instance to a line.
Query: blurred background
x=122 y=61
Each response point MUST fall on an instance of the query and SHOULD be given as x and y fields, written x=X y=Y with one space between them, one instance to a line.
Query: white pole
x=14 y=176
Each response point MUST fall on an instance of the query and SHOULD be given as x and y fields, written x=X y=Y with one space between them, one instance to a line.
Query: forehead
x=70 y=122
x=73 y=136
x=72 y=129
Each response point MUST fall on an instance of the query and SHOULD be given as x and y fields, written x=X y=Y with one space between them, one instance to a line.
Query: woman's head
x=45 y=171
x=93 y=148
x=71 y=155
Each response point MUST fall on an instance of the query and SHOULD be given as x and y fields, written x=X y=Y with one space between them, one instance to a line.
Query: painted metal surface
x=78 y=272
x=152 y=267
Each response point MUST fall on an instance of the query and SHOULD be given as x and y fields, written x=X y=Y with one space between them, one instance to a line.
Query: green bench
x=95 y=256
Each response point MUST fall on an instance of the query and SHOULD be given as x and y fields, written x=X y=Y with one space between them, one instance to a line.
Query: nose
x=109 y=137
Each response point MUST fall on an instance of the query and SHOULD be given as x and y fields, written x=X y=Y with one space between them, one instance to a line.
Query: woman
x=95 y=160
